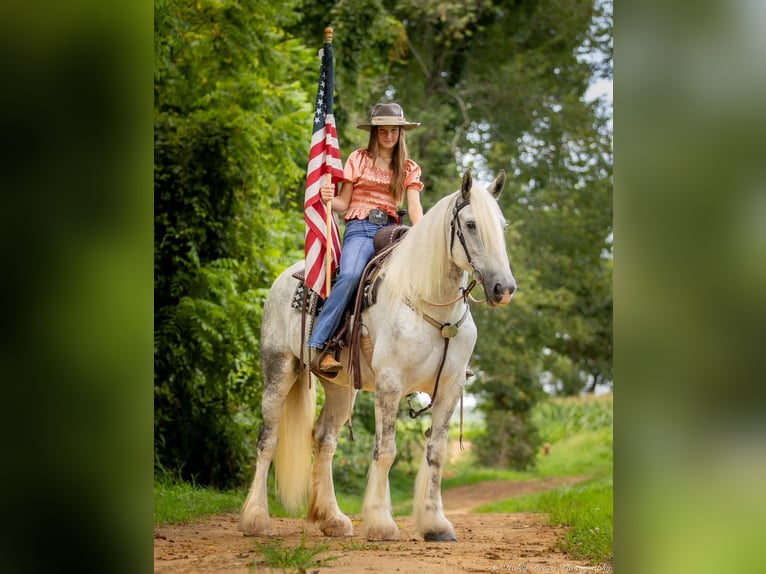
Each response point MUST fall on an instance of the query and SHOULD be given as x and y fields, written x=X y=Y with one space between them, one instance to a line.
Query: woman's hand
x=327 y=192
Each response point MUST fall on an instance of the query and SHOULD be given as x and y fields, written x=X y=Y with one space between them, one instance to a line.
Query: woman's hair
x=398 y=162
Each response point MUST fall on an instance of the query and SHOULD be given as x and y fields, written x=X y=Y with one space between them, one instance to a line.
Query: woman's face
x=388 y=136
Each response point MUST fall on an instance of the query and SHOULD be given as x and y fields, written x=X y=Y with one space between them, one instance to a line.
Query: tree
x=501 y=84
x=231 y=105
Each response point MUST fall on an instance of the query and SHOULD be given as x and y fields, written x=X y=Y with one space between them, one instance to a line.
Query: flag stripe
x=324 y=158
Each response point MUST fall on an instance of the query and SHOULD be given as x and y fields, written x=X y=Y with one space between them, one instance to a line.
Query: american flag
x=324 y=158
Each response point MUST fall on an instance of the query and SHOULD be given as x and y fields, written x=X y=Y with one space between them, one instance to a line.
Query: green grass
x=298 y=559
x=587 y=508
x=176 y=502
x=586 y=453
x=466 y=472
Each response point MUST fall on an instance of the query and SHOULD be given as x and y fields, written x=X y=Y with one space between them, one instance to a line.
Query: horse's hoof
x=256 y=530
x=254 y=523
x=338 y=528
x=383 y=538
x=383 y=534
x=439 y=537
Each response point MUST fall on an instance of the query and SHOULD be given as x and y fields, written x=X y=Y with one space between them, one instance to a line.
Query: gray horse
x=419 y=331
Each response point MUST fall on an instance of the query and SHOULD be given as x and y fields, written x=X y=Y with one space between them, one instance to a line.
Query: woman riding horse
x=375 y=182
x=420 y=337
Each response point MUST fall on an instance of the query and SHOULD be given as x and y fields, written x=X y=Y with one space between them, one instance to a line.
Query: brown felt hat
x=388 y=115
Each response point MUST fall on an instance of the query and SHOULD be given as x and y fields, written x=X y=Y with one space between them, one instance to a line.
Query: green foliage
x=203 y=413
x=587 y=453
x=297 y=559
x=579 y=434
x=580 y=437
x=560 y=418
x=176 y=502
x=507 y=386
x=510 y=441
x=352 y=459
x=232 y=125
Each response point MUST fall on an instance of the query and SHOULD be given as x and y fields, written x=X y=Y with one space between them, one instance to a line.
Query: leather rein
x=449 y=330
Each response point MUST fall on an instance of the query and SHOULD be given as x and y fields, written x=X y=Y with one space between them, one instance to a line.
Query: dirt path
x=517 y=542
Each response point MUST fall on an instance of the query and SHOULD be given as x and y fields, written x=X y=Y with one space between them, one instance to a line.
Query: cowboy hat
x=388 y=115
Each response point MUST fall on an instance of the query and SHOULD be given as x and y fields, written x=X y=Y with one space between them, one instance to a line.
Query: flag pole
x=328 y=253
x=328 y=32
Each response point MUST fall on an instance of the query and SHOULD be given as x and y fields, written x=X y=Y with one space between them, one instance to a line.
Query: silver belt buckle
x=378 y=217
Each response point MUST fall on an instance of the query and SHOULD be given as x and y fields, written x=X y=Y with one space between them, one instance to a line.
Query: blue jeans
x=356 y=253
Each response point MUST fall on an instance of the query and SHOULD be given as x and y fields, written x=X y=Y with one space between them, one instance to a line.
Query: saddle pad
x=297 y=302
x=300 y=292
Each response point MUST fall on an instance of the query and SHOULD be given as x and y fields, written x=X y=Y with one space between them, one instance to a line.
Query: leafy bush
x=508 y=441
x=227 y=196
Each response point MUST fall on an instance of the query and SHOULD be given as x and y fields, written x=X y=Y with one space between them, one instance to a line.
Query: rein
x=464 y=292
x=448 y=330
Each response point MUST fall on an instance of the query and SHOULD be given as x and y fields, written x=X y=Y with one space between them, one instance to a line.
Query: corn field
x=558 y=418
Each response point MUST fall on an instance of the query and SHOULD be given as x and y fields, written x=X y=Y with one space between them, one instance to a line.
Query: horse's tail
x=292 y=459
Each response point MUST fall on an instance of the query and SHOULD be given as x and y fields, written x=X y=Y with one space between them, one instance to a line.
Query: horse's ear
x=496 y=187
x=465 y=188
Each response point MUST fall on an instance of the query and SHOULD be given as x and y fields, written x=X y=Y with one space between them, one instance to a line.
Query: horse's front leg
x=377 y=513
x=323 y=506
x=430 y=521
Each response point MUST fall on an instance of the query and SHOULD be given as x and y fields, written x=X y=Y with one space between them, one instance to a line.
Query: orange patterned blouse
x=371 y=185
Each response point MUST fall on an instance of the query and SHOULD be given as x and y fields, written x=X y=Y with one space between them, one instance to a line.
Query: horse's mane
x=418 y=267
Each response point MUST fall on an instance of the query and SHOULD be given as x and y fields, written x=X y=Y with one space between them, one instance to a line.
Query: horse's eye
x=470 y=225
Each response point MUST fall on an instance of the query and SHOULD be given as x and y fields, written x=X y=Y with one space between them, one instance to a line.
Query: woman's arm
x=339 y=203
x=414 y=208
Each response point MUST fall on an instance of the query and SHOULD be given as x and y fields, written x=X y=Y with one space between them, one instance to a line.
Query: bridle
x=456 y=229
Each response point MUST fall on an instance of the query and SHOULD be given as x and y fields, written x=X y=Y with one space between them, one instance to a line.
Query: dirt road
x=518 y=542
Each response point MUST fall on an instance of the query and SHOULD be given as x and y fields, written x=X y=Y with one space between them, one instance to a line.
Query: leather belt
x=379 y=217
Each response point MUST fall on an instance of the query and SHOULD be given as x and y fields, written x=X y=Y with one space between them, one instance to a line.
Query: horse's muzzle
x=501 y=294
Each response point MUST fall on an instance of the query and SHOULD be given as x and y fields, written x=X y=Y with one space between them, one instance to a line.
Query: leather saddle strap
x=447 y=331
x=415 y=414
x=308 y=300
x=354 y=351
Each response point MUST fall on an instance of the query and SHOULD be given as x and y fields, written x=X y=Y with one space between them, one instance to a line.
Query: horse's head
x=478 y=225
